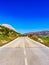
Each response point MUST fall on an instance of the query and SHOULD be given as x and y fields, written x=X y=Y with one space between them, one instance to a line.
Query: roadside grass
x=45 y=40
x=46 y=43
x=5 y=39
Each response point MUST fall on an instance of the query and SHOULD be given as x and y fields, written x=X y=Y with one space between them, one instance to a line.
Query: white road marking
x=26 y=63
x=36 y=54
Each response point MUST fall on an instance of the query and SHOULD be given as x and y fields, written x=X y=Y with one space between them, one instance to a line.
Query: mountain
x=39 y=34
x=7 y=34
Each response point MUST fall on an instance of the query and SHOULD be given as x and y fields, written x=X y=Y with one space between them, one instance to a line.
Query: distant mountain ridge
x=39 y=34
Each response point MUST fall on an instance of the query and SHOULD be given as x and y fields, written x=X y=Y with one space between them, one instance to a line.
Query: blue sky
x=25 y=15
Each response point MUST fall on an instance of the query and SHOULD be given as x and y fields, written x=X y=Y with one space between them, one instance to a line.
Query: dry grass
x=46 y=42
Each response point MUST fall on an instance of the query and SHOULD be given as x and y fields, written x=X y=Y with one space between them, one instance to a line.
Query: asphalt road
x=24 y=51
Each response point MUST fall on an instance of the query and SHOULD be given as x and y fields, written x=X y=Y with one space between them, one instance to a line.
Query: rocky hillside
x=7 y=35
x=39 y=34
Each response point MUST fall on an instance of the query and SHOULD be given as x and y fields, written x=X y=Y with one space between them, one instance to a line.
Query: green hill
x=7 y=35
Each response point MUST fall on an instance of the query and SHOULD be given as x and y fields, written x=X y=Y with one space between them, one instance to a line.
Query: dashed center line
x=26 y=62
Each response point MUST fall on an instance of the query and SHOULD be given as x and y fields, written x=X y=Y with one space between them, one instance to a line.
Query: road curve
x=24 y=51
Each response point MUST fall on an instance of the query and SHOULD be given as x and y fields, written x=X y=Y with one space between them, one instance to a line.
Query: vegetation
x=34 y=37
x=7 y=35
x=44 y=39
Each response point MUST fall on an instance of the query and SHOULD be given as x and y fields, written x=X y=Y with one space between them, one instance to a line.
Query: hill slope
x=42 y=36
x=7 y=35
x=8 y=26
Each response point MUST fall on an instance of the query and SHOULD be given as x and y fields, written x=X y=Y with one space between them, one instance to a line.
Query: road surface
x=24 y=51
